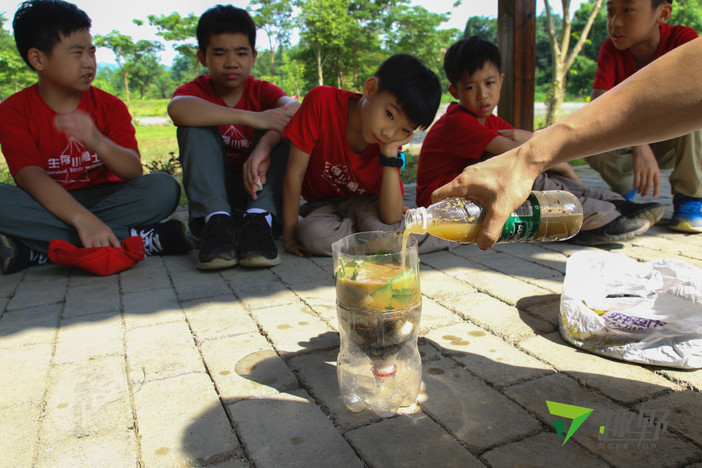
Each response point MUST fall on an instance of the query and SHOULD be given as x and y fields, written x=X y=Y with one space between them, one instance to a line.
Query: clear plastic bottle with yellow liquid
x=552 y=215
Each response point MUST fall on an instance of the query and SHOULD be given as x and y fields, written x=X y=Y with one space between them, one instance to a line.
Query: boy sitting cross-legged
x=468 y=132
x=229 y=135
x=71 y=150
x=345 y=160
x=639 y=34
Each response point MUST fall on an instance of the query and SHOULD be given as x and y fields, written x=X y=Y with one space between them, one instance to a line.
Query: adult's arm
x=661 y=101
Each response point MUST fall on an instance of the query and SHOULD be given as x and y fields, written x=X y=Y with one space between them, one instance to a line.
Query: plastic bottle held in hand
x=552 y=215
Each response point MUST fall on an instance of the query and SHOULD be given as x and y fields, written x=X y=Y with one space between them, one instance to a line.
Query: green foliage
x=169 y=166
x=482 y=26
x=14 y=73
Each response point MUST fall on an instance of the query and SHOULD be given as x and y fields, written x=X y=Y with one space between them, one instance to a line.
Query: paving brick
x=290 y=429
x=321 y=297
x=8 y=284
x=95 y=298
x=265 y=294
x=217 y=317
x=685 y=408
x=182 y=423
x=620 y=381
x=246 y=366
x=668 y=450
x=411 y=441
x=193 y=284
x=88 y=417
x=29 y=326
x=19 y=432
x=296 y=270
x=85 y=338
x=295 y=328
x=519 y=268
x=82 y=278
x=439 y=285
x=542 y=450
x=548 y=311
x=160 y=352
x=147 y=308
x=434 y=315
x=489 y=357
x=687 y=378
x=535 y=253
x=318 y=374
x=468 y=408
x=39 y=293
x=24 y=373
x=490 y=313
x=150 y=274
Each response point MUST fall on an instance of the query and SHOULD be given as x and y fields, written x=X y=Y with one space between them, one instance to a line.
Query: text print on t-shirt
x=340 y=177
x=235 y=142
x=74 y=164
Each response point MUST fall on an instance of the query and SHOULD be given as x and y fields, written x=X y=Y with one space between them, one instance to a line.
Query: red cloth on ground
x=101 y=261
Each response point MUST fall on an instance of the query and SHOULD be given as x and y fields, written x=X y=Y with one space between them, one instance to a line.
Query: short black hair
x=416 y=87
x=222 y=19
x=655 y=3
x=468 y=56
x=41 y=24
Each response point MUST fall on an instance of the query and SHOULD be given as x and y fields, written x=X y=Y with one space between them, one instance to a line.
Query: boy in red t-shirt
x=72 y=152
x=639 y=34
x=227 y=165
x=345 y=159
x=468 y=132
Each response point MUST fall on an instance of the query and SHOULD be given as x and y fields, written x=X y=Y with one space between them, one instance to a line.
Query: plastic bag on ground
x=649 y=313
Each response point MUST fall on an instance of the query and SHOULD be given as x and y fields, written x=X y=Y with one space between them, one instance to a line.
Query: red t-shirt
x=334 y=170
x=258 y=96
x=29 y=138
x=455 y=141
x=614 y=65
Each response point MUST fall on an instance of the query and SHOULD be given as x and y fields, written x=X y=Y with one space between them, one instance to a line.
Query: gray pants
x=325 y=222
x=683 y=154
x=211 y=184
x=137 y=202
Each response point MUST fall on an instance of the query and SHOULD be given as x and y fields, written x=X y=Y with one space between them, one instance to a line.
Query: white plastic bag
x=650 y=313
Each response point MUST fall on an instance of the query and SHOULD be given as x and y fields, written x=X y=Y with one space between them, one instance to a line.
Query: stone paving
x=163 y=366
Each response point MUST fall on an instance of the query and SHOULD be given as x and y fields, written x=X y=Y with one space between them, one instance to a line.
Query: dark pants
x=137 y=202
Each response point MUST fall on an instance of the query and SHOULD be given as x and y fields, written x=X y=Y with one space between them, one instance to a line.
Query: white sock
x=269 y=217
x=207 y=218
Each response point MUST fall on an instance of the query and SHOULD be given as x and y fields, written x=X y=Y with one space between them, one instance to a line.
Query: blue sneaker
x=687 y=214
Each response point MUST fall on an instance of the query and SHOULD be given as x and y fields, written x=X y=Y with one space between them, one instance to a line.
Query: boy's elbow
x=173 y=110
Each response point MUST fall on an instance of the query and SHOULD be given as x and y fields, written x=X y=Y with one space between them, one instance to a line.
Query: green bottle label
x=523 y=224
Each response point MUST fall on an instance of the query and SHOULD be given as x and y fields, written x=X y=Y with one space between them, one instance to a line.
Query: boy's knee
x=316 y=239
x=163 y=191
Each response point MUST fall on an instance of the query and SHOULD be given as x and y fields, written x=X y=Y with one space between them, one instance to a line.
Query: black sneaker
x=622 y=228
x=15 y=256
x=217 y=249
x=652 y=212
x=167 y=238
x=256 y=246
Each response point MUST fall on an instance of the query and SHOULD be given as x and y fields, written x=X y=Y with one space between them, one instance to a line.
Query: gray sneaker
x=621 y=229
x=15 y=256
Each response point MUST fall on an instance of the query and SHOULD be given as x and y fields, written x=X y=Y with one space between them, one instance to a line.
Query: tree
x=14 y=73
x=275 y=19
x=128 y=54
x=181 y=30
x=688 y=13
x=325 y=28
x=563 y=55
x=482 y=26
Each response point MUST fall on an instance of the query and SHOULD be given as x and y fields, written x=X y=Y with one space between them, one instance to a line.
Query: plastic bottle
x=552 y=215
x=379 y=366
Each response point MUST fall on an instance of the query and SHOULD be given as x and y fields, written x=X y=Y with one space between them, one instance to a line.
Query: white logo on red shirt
x=341 y=177
x=74 y=164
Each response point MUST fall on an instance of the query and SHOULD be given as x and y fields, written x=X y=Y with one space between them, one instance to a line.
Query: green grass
x=148 y=107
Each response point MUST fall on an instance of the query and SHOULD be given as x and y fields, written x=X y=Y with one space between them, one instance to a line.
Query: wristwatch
x=398 y=161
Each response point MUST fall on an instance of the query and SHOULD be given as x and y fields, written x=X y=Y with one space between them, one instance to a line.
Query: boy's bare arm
x=59 y=202
x=390 y=204
x=124 y=162
x=193 y=111
x=292 y=188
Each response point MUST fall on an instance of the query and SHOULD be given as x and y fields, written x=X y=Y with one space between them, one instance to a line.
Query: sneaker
x=652 y=211
x=687 y=214
x=256 y=245
x=622 y=228
x=15 y=256
x=217 y=249
x=167 y=238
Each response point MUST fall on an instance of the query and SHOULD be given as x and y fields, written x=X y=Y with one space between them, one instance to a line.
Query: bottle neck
x=417 y=220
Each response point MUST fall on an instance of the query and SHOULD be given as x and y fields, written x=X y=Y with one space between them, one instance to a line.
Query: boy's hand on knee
x=95 y=233
x=647 y=175
x=272 y=119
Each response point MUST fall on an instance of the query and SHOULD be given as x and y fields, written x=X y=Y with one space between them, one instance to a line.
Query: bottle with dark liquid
x=552 y=215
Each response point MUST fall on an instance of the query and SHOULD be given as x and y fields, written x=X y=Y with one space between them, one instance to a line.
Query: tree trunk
x=320 y=72
x=126 y=86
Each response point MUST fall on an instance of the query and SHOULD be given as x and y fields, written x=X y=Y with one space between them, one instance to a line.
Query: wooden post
x=516 y=32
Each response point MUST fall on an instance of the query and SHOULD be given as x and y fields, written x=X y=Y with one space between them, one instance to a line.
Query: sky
x=107 y=15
